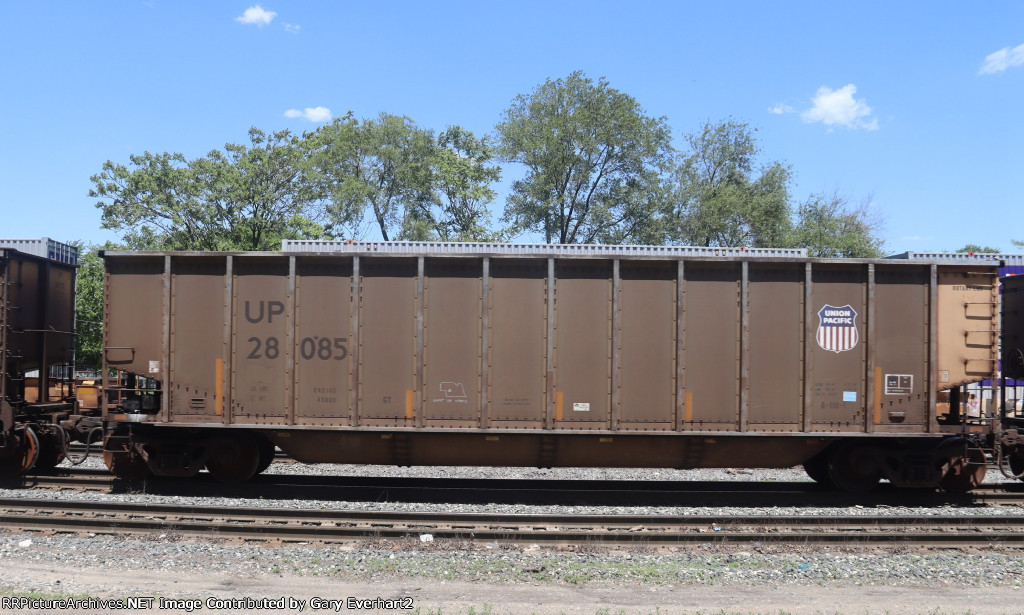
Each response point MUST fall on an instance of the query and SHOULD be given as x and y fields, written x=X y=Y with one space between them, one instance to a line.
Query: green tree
x=722 y=200
x=244 y=198
x=378 y=168
x=830 y=228
x=89 y=306
x=973 y=247
x=592 y=159
x=462 y=177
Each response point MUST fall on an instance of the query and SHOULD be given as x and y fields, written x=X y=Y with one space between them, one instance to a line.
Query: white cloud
x=290 y=27
x=312 y=114
x=780 y=108
x=839 y=108
x=1003 y=59
x=256 y=15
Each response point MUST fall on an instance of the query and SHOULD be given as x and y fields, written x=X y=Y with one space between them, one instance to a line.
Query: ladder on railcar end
x=991 y=363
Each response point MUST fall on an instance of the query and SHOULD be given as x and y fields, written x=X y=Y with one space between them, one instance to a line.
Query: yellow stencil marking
x=878 y=395
x=409 y=397
x=219 y=388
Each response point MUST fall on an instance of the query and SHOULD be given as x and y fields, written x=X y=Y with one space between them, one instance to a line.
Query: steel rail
x=288 y=524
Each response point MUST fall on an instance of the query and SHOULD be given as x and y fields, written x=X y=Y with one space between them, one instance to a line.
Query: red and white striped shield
x=837 y=328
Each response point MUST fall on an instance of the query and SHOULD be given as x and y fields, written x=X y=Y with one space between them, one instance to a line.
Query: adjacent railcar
x=1013 y=327
x=37 y=315
x=480 y=354
x=1010 y=264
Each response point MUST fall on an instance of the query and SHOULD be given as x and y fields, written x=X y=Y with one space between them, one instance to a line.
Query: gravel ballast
x=411 y=563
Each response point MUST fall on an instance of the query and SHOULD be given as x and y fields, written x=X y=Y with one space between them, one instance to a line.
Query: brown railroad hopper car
x=37 y=316
x=608 y=358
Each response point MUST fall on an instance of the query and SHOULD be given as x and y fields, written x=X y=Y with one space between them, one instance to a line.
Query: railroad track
x=314 y=525
x=744 y=494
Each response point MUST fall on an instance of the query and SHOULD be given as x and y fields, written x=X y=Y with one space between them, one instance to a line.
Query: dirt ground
x=432 y=597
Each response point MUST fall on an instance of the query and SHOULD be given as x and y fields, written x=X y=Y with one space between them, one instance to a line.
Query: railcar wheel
x=25 y=454
x=1017 y=466
x=854 y=468
x=51 y=450
x=267 y=452
x=965 y=473
x=233 y=458
x=125 y=464
x=817 y=468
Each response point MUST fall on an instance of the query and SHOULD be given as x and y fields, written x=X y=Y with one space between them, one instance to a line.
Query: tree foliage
x=89 y=306
x=725 y=197
x=829 y=227
x=463 y=174
x=595 y=167
x=378 y=168
x=339 y=180
x=594 y=163
x=973 y=247
x=721 y=200
x=242 y=198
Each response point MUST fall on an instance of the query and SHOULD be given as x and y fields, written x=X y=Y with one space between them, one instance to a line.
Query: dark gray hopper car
x=1013 y=327
x=599 y=356
x=37 y=321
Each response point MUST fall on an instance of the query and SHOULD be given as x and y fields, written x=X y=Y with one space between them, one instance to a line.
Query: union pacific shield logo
x=837 y=328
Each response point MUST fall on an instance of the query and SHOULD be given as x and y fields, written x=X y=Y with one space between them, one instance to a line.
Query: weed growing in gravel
x=649 y=572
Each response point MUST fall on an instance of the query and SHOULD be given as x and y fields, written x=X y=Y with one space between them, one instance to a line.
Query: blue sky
x=915 y=105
